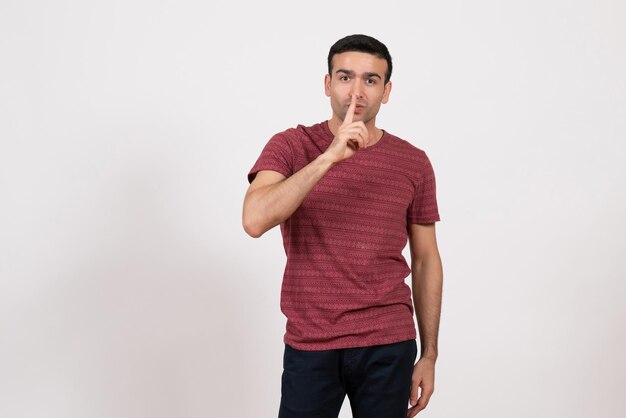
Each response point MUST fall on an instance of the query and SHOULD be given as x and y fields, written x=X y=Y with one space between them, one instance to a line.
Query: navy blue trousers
x=377 y=381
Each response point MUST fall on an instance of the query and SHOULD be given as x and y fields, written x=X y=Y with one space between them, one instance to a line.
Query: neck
x=334 y=123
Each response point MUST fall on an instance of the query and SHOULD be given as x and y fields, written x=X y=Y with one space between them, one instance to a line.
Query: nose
x=356 y=91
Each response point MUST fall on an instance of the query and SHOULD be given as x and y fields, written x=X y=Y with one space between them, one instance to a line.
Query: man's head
x=360 y=43
x=359 y=66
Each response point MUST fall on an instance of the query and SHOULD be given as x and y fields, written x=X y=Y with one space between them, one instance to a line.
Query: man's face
x=360 y=74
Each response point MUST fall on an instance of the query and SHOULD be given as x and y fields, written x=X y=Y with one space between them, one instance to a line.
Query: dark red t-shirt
x=343 y=284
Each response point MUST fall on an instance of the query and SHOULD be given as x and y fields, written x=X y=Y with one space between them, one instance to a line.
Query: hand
x=351 y=136
x=423 y=378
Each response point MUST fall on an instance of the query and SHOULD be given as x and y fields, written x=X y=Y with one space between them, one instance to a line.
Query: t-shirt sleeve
x=276 y=156
x=423 y=208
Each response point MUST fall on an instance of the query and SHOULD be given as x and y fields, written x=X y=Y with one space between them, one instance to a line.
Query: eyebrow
x=351 y=73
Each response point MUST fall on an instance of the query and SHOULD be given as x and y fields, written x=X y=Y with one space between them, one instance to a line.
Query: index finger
x=350 y=112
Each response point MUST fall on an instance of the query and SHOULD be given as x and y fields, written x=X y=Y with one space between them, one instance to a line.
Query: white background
x=128 y=288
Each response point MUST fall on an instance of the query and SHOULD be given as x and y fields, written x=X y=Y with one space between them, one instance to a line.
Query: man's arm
x=427 y=280
x=272 y=198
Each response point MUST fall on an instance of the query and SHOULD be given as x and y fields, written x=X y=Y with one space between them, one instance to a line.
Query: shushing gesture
x=351 y=136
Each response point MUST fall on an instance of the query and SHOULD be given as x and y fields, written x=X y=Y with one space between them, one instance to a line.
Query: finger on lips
x=350 y=112
x=356 y=132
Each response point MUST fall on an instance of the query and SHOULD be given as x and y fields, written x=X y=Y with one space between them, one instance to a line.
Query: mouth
x=358 y=107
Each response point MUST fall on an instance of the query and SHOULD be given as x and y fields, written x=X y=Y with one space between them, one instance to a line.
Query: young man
x=347 y=194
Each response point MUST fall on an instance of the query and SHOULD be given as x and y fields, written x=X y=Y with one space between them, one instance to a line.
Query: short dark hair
x=360 y=43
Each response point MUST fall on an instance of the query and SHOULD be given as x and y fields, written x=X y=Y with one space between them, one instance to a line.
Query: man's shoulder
x=306 y=139
x=299 y=131
x=405 y=147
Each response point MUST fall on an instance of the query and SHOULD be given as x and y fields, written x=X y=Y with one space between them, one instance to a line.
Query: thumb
x=414 y=393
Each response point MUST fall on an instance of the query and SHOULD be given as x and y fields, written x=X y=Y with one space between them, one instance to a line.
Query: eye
x=370 y=81
x=344 y=78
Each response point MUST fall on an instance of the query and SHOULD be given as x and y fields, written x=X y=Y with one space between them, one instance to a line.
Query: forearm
x=270 y=205
x=427 y=280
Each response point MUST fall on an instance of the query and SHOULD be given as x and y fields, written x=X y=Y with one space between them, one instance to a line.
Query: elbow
x=252 y=231
x=252 y=228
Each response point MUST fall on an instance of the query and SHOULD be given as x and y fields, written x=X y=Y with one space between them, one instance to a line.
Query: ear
x=327 y=85
x=387 y=92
